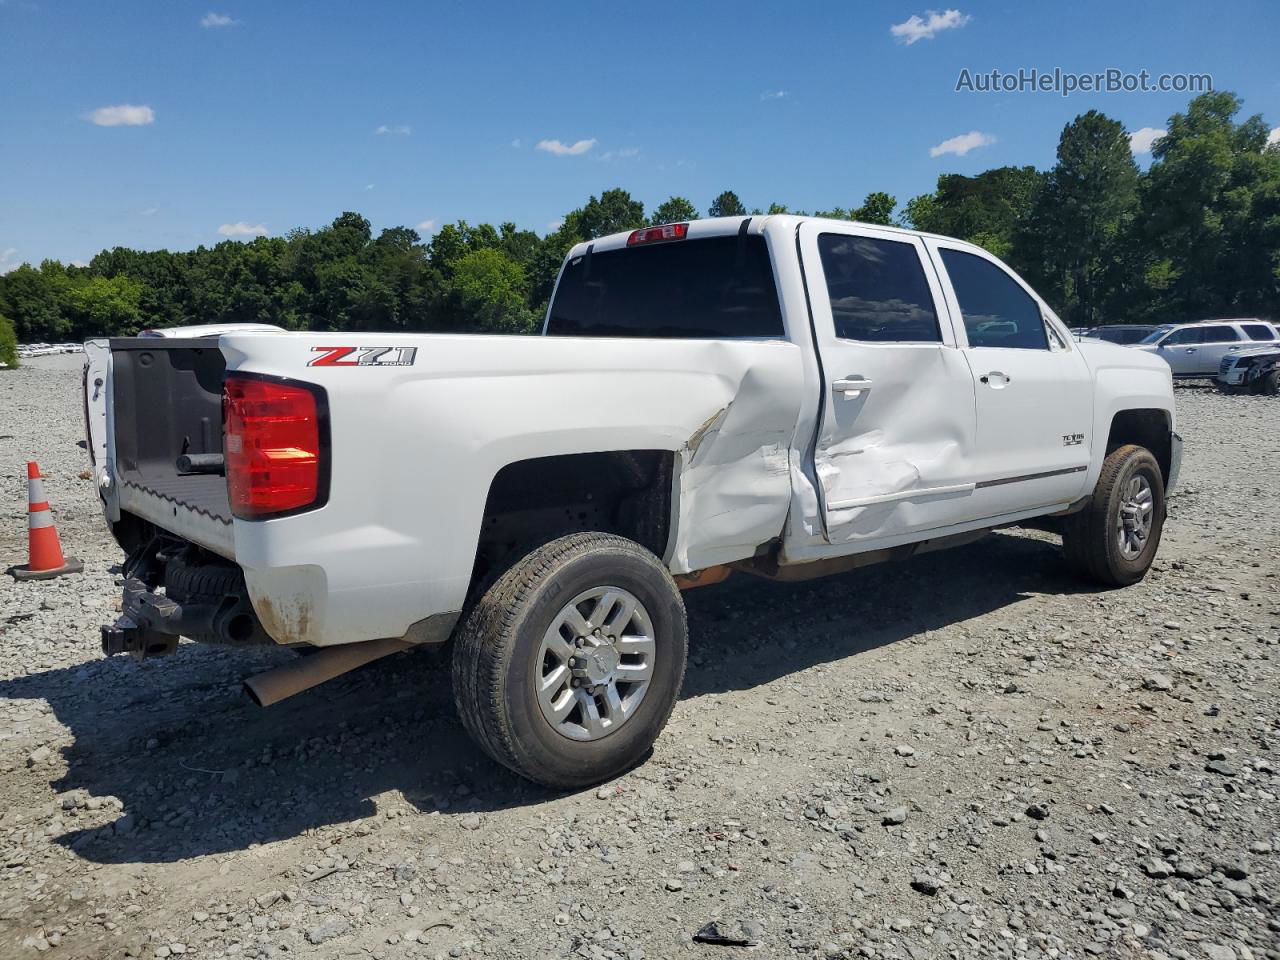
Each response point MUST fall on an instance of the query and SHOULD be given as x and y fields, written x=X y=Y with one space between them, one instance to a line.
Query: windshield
x=1155 y=335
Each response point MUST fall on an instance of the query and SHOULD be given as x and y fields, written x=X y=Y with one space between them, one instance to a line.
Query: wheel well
x=626 y=492
x=1146 y=428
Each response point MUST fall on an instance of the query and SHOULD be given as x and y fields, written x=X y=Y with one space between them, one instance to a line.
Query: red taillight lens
x=668 y=231
x=271 y=443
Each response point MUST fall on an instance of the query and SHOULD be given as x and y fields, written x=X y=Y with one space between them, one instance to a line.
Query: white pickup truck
x=782 y=396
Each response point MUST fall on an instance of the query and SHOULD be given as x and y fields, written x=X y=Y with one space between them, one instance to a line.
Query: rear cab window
x=708 y=288
x=1258 y=331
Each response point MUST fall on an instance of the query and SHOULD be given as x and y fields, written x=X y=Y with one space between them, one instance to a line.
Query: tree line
x=1196 y=235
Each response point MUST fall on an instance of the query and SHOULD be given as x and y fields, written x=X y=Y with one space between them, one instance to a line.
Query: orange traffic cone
x=44 y=553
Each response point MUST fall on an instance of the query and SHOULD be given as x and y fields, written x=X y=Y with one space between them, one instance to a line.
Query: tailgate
x=165 y=400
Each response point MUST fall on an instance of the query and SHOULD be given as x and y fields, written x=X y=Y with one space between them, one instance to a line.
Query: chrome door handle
x=851 y=386
x=1001 y=379
x=1191 y=349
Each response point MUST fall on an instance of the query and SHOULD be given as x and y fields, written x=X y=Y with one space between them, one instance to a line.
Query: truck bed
x=167 y=401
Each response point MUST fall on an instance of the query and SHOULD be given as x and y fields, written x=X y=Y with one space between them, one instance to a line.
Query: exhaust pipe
x=270 y=687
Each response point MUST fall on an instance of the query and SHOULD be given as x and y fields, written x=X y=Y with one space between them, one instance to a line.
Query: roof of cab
x=757 y=224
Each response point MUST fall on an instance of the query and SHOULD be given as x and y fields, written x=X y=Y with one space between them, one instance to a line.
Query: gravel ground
x=967 y=755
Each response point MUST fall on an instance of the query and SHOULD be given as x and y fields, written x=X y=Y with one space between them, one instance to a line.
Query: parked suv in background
x=1121 y=333
x=1196 y=350
x=1251 y=370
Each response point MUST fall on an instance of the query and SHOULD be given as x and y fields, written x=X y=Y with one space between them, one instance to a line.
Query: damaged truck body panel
x=727 y=412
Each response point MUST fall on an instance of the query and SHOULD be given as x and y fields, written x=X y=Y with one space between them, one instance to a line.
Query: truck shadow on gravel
x=199 y=770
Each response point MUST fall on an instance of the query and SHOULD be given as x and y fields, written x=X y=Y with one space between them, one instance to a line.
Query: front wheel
x=1114 y=539
x=568 y=666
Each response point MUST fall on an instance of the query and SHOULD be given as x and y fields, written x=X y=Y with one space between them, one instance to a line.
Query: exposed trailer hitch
x=151 y=624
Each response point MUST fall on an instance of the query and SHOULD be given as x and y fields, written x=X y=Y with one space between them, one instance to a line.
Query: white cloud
x=370 y=186
x=626 y=153
x=774 y=95
x=123 y=115
x=399 y=129
x=917 y=28
x=566 y=149
x=1141 y=141
x=149 y=212
x=242 y=229
x=213 y=20
x=555 y=224
x=7 y=261
x=1273 y=136
x=426 y=226
x=962 y=144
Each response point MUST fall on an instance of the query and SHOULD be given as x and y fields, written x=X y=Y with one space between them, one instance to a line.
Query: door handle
x=851 y=386
x=1191 y=349
x=996 y=379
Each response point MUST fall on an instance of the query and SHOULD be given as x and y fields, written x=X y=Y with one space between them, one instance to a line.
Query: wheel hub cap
x=595 y=663
x=1135 y=515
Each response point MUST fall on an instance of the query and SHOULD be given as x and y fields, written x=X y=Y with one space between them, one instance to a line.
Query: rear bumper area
x=151 y=624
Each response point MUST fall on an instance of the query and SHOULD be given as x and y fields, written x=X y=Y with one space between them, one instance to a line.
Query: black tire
x=1271 y=384
x=496 y=653
x=1090 y=537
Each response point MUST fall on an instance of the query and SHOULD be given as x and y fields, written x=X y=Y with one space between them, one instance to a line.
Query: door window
x=997 y=311
x=1220 y=334
x=1258 y=331
x=878 y=290
x=1185 y=337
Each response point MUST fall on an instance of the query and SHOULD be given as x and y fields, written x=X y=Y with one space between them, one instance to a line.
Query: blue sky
x=248 y=115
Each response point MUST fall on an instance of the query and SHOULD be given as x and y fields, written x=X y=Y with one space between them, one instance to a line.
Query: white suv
x=1196 y=350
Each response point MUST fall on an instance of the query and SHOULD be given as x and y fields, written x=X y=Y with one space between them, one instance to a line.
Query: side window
x=997 y=312
x=1258 y=331
x=878 y=290
x=1185 y=337
x=1220 y=334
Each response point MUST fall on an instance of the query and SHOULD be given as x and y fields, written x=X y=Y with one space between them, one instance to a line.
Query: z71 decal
x=363 y=356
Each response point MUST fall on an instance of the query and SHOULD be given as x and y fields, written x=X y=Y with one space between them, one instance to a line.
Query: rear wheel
x=1114 y=539
x=1271 y=383
x=568 y=666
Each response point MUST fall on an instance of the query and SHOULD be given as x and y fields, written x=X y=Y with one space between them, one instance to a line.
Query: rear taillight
x=668 y=231
x=274 y=446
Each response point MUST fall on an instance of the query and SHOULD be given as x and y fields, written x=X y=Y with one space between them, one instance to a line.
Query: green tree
x=613 y=212
x=876 y=208
x=1210 y=215
x=1070 y=244
x=96 y=306
x=490 y=288
x=992 y=204
x=727 y=205
x=8 y=343
x=674 y=210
